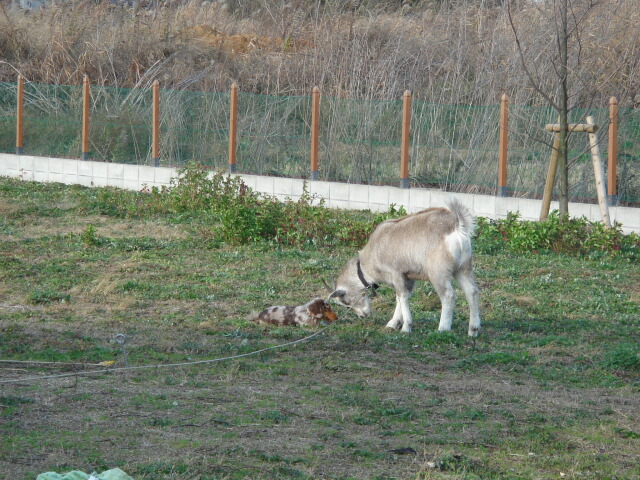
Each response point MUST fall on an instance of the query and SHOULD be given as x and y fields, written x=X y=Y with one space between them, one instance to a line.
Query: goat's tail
x=466 y=219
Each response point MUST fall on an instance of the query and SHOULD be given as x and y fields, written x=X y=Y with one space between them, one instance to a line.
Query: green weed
x=497 y=358
x=90 y=237
x=10 y=401
x=623 y=358
x=575 y=236
x=48 y=296
x=275 y=416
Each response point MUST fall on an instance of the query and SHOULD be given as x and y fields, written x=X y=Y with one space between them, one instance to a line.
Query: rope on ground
x=165 y=365
x=37 y=362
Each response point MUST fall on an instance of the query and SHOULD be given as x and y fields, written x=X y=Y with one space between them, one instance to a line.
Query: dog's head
x=320 y=308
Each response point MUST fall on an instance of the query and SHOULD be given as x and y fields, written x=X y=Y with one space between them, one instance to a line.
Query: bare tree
x=568 y=21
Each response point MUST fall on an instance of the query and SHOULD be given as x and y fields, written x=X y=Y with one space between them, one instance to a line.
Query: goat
x=309 y=314
x=432 y=245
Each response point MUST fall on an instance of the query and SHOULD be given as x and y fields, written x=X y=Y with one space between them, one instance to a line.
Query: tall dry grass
x=454 y=56
x=460 y=52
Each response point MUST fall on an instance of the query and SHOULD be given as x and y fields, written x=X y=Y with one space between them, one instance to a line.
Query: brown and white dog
x=310 y=314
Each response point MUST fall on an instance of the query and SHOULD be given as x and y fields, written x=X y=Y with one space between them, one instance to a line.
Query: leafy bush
x=238 y=215
x=243 y=216
x=576 y=236
x=241 y=224
x=305 y=221
x=90 y=237
x=199 y=190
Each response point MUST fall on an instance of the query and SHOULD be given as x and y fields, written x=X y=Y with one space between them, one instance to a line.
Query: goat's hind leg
x=467 y=283
x=444 y=289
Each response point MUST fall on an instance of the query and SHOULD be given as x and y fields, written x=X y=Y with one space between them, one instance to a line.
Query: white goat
x=432 y=245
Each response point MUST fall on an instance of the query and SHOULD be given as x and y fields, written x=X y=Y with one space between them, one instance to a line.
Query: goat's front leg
x=396 y=320
x=402 y=314
x=406 y=312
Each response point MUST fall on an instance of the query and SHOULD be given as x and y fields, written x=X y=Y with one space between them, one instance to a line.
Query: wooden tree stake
x=551 y=178
x=599 y=175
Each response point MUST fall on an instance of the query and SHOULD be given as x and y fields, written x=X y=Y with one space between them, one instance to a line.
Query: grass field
x=550 y=389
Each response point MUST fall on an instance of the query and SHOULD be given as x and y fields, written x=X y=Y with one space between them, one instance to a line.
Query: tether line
x=165 y=365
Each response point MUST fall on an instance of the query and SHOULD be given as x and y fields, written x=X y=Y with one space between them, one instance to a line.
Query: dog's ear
x=338 y=294
x=315 y=308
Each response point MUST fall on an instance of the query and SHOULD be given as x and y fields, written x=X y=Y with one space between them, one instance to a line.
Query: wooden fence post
x=233 y=125
x=504 y=140
x=315 y=132
x=406 y=129
x=612 y=187
x=20 y=116
x=85 y=118
x=155 y=148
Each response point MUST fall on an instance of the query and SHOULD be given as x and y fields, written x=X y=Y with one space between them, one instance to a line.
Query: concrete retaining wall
x=336 y=195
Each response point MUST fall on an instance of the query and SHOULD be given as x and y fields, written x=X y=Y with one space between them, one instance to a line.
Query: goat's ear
x=338 y=293
x=326 y=285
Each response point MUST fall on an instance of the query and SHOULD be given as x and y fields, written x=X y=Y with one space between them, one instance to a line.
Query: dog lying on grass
x=310 y=314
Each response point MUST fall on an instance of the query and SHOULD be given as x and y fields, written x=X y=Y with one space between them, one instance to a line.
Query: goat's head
x=350 y=291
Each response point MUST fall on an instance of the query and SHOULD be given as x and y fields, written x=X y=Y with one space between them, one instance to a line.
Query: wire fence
x=453 y=147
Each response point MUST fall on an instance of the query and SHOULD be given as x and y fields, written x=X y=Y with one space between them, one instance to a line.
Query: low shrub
x=238 y=215
x=575 y=236
x=242 y=216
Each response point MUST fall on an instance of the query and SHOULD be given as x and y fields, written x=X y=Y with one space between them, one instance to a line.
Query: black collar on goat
x=369 y=286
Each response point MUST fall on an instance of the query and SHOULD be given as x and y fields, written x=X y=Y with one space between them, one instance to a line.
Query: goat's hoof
x=473 y=331
x=406 y=330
